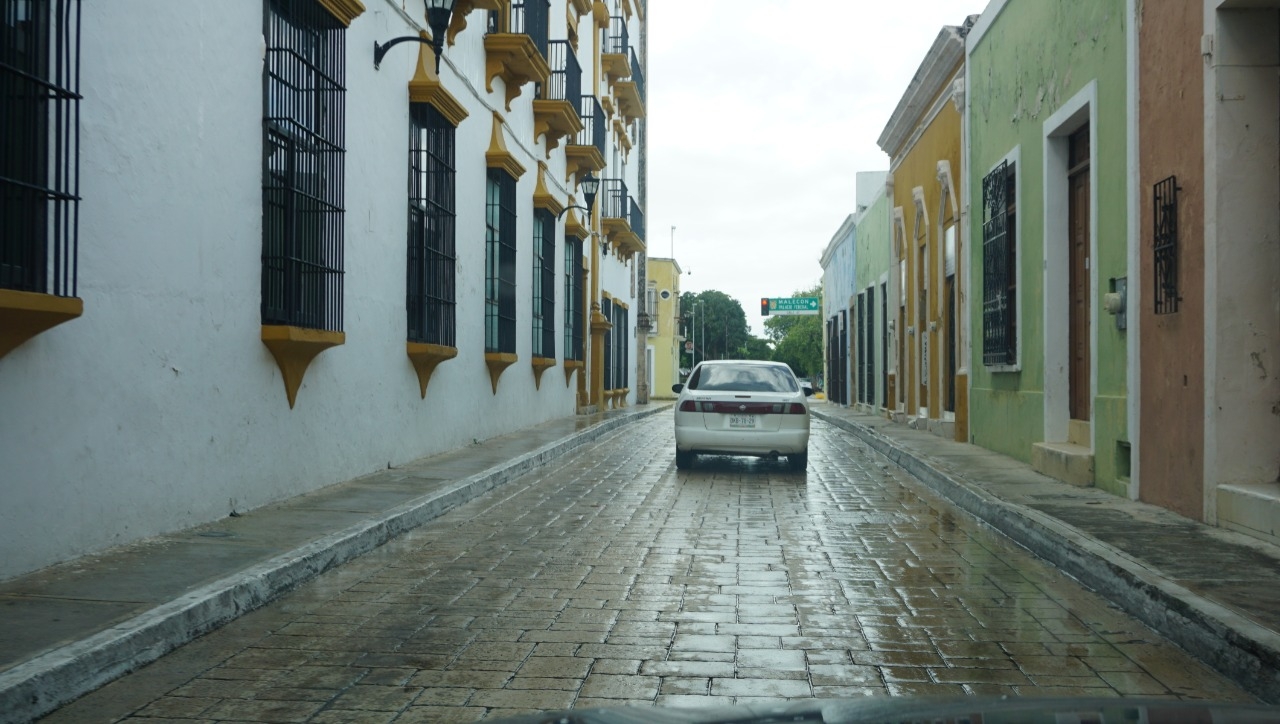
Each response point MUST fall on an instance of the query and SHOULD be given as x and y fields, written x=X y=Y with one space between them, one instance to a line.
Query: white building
x=288 y=268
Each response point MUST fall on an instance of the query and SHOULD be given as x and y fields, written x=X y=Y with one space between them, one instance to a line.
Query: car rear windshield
x=743 y=378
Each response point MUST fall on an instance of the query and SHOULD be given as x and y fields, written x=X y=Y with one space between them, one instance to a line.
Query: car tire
x=684 y=459
x=798 y=461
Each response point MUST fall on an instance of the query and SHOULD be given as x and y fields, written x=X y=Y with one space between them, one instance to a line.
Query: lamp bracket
x=380 y=50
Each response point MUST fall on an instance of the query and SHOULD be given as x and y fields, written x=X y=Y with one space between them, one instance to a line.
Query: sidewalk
x=1213 y=592
x=73 y=627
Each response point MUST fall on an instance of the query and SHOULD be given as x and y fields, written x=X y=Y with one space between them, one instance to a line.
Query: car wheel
x=684 y=459
x=798 y=461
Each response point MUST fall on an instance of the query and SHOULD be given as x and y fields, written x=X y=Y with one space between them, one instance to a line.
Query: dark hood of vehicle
x=886 y=710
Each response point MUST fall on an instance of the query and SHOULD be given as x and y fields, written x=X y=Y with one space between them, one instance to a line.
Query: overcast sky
x=760 y=113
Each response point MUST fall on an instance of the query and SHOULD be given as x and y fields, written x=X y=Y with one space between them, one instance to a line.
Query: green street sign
x=792 y=305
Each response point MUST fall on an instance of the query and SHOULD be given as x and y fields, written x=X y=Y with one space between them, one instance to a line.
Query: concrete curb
x=37 y=687
x=1230 y=643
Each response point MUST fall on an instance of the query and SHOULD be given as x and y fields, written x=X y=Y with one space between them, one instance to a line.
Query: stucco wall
x=160 y=408
x=1171 y=132
x=1027 y=62
x=917 y=167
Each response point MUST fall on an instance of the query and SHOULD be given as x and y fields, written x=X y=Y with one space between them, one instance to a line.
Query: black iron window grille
x=530 y=17
x=500 y=263
x=868 y=332
x=860 y=313
x=621 y=335
x=843 y=361
x=606 y=309
x=617 y=38
x=884 y=345
x=999 y=266
x=593 y=124
x=544 y=284
x=432 y=282
x=565 y=83
x=573 y=300
x=40 y=155
x=1165 y=245
x=302 y=188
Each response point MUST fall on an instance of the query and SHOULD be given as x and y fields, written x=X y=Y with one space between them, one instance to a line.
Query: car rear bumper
x=782 y=442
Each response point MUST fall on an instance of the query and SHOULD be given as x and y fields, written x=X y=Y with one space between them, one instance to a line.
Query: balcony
x=622 y=220
x=630 y=93
x=613 y=58
x=586 y=151
x=555 y=110
x=516 y=46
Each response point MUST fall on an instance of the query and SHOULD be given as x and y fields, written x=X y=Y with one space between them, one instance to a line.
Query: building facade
x=839 y=290
x=872 y=345
x=288 y=262
x=1046 y=114
x=1207 y=201
x=923 y=141
x=664 y=340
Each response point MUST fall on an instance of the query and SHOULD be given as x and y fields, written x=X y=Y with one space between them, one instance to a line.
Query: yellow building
x=663 y=346
x=928 y=383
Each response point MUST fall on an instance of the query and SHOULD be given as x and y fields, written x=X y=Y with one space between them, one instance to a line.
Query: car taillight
x=753 y=408
x=796 y=408
x=688 y=406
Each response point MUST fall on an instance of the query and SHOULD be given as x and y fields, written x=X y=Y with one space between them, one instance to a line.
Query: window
x=40 y=155
x=431 y=259
x=651 y=308
x=999 y=266
x=302 y=174
x=500 y=263
x=620 y=337
x=606 y=309
x=544 y=284
x=573 y=300
x=1166 y=245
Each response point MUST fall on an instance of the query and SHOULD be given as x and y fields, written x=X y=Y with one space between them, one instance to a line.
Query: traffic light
x=764 y=306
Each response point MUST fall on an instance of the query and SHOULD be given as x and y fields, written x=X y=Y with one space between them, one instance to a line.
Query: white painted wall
x=160 y=408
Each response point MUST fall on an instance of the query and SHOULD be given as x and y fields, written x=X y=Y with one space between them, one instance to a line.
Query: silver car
x=742 y=407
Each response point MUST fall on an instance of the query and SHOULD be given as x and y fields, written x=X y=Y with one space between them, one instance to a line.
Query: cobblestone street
x=607 y=578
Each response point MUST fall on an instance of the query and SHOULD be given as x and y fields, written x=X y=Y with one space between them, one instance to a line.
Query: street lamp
x=439 y=12
x=590 y=185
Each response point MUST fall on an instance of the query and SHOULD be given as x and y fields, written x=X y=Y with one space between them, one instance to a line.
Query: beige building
x=663 y=347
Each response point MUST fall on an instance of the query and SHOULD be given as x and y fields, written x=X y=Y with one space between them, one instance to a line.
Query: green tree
x=757 y=348
x=798 y=338
x=715 y=322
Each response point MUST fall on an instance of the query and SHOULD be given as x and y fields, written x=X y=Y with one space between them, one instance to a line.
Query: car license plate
x=742 y=421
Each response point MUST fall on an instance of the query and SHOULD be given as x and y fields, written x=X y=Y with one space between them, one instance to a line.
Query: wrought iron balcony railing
x=637 y=73
x=531 y=17
x=635 y=217
x=593 y=124
x=566 y=74
x=618 y=39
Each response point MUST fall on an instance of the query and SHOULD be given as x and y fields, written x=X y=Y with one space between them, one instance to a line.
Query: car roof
x=744 y=362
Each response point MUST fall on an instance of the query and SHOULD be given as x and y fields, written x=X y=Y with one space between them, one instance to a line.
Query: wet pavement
x=605 y=577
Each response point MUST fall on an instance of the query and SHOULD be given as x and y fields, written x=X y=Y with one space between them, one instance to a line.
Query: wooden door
x=1079 y=289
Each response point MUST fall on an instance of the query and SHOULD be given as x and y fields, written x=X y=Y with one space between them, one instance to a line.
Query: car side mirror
x=677 y=388
x=808 y=391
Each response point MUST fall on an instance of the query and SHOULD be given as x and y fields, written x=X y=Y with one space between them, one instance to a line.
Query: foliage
x=715 y=322
x=798 y=338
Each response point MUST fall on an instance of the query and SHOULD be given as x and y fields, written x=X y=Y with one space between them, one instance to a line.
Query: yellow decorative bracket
x=497 y=362
x=542 y=198
x=514 y=58
x=571 y=366
x=498 y=156
x=344 y=10
x=462 y=9
x=425 y=87
x=23 y=315
x=294 y=348
x=425 y=357
x=540 y=365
